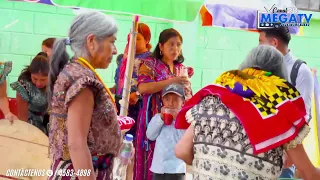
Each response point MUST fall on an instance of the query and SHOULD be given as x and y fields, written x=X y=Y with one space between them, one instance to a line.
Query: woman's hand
x=133 y=99
x=11 y=117
x=180 y=80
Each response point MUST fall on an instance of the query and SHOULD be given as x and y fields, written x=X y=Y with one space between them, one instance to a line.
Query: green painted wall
x=209 y=50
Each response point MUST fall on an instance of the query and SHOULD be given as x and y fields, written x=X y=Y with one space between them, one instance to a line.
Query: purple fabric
x=238 y=89
x=236 y=17
x=45 y=2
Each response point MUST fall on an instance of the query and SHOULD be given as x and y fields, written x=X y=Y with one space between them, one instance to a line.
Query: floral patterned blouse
x=222 y=150
x=104 y=134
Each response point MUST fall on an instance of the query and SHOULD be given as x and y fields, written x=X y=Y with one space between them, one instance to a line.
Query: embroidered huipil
x=104 y=134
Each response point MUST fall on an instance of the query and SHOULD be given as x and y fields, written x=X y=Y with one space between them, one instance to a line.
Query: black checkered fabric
x=267 y=105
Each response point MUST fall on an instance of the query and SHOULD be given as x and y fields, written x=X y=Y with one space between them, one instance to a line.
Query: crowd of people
x=249 y=124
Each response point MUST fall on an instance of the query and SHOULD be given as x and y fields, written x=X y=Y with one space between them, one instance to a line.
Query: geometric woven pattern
x=267 y=105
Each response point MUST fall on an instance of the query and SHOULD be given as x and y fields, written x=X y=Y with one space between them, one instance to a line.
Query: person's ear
x=161 y=47
x=275 y=42
x=91 y=44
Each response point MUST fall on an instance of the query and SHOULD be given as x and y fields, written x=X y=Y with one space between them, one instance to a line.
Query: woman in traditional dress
x=31 y=92
x=143 y=47
x=155 y=73
x=84 y=135
x=253 y=115
x=5 y=69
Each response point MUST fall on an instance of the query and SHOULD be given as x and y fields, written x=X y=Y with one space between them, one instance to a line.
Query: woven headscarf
x=270 y=109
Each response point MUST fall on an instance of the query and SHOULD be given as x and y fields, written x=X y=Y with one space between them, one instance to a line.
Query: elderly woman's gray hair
x=84 y=24
x=266 y=58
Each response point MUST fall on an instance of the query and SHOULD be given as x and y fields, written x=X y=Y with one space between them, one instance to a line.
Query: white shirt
x=304 y=81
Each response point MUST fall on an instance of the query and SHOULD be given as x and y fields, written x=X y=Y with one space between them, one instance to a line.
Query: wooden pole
x=124 y=102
